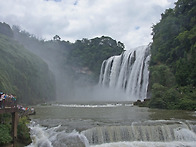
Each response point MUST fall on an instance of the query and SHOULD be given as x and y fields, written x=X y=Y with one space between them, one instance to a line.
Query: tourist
x=1 y=100
x=13 y=101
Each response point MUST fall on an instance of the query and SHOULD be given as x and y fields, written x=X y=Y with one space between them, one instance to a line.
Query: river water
x=111 y=125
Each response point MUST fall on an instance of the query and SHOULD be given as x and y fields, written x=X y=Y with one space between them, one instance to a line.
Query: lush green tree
x=23 y=131
x=91 y=53
x=173 y=62
x=5 y=136
x=162 y=74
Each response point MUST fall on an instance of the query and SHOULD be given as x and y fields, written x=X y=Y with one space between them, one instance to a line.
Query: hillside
x=91 y=53
x=23 y=73
x=82 y=54
x=173 y=61
x=75 y=65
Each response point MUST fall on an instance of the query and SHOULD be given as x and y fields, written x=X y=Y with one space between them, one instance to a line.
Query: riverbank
x=186 y=105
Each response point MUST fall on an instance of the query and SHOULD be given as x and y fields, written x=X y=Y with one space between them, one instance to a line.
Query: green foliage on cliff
x=22 y=73
x=25 y=62
x=74 y=57
x=173 y=60
x=91 y=53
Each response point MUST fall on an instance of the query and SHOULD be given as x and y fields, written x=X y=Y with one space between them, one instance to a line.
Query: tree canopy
x=173 y=60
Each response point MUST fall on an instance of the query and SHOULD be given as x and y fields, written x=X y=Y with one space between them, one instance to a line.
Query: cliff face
x=21 y=72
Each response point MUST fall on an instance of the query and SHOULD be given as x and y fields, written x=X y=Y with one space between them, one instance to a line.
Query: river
x=111 y=125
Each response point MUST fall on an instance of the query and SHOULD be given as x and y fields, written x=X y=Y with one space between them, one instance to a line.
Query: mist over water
x=71 y=84
x=122 y=78
x=95 y=93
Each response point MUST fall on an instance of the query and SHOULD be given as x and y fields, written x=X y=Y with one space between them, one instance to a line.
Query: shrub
x=23 y=131
x=5 y=136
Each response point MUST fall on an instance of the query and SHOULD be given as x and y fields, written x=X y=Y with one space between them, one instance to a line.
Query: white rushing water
x=93 y=105
x=147 y=144
x=127 y=72
x=52 y=137
x=110 y=125
x=139 y=134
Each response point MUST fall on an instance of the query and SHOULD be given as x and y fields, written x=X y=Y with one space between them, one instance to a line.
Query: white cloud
x=128 y=21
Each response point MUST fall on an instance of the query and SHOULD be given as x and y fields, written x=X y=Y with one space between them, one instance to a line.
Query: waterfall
x=150 y=131
x=127 y=72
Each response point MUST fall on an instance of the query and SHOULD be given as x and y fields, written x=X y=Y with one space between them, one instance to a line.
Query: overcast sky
x=128 y=21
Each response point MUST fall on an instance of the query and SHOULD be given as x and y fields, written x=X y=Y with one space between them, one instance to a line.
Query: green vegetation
x=6 y=132
x=24 y=74
x=173 y=60
x=91 y=53
x=85 y=54
x=23 y=131
x=5 y=136
x=24 y=71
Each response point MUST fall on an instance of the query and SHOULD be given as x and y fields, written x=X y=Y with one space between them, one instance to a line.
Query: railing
x=8 y=103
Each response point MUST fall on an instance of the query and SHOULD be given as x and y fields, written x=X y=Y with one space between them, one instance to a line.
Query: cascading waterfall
x=105 y=130
x=54 y=137
x=160 y=133
x=150 y=131
x=128 y=72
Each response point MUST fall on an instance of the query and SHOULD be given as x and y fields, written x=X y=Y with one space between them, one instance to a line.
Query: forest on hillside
x=85 y=53
x=37 y=70
x=173 y=58
x=22 y=73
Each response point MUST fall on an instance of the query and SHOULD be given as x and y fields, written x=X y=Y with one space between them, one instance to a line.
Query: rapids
x=111 y=125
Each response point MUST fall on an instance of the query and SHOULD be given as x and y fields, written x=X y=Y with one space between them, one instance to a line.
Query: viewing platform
x=8 y=110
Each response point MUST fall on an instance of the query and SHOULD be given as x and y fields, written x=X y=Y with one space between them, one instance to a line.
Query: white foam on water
x=147 y=144
x=39 y=136
x=91 y=106
x=52 y=137
x=139 y=134
x=184 y=134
